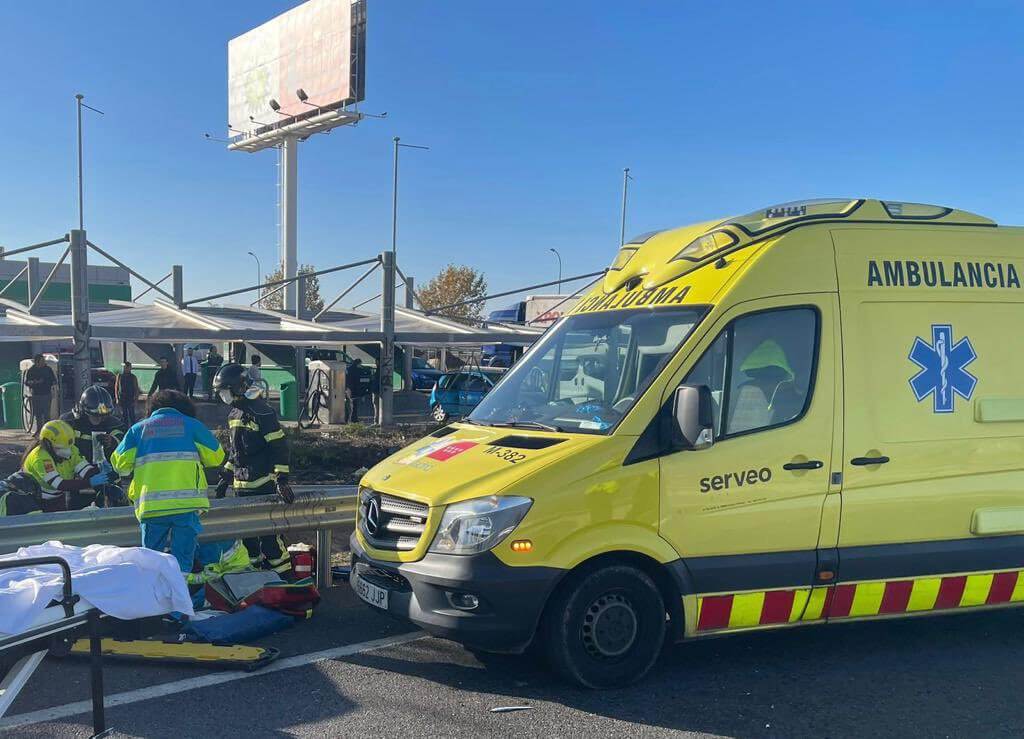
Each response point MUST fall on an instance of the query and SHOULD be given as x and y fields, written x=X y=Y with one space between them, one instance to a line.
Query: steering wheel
x=537 y=378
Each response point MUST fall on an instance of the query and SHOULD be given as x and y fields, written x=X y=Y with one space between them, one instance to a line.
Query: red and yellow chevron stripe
x=853 y=600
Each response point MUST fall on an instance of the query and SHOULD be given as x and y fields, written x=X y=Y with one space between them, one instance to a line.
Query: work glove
x=226 y=478
x=100 y=478
x=109 y=444
x=284 y=490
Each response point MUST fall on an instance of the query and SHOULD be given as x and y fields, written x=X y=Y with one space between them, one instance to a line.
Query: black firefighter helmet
x=95 y=403
x=232 y=382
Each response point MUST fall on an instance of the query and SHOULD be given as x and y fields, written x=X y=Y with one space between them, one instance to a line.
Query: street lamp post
x=394 y=192
x=555 y=252
x=625 y=193
x=259 y=279
x=81 y=216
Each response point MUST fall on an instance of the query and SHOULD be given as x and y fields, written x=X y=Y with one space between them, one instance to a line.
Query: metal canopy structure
x=164 y=322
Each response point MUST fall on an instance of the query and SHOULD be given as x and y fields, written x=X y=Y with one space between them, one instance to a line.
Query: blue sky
x=531 y=110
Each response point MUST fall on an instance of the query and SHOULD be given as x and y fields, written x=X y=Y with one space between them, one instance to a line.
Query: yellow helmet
x=58 y=433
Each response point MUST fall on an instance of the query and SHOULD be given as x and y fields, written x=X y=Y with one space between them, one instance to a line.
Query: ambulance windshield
x=587 y=371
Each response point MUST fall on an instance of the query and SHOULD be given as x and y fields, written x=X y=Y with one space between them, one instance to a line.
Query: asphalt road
x=953 y=676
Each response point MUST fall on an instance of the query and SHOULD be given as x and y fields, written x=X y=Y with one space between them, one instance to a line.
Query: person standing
x=39 y=381
x=353 y=389
x=255 y=371
x=166 y=378
x=211 y=364
x=126 y=391
x=167 y=453
x=189 y=371
x=257 y=460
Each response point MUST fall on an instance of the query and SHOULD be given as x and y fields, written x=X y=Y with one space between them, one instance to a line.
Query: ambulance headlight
x=478 y=525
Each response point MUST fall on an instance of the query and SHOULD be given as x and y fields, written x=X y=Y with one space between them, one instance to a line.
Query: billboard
x=318 y=47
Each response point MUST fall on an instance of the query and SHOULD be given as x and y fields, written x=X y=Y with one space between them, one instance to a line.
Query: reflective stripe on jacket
x=167 y=453
x=259 y=448
x=50 y=472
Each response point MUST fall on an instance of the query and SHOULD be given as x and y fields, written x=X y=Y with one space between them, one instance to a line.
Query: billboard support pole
x=80 y=309
x=386 y=366
x=289 y=216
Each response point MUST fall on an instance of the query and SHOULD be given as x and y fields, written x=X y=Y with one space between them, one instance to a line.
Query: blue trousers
x=177 y=533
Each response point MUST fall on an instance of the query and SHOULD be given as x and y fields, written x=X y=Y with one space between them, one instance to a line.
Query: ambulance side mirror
x=693 y=424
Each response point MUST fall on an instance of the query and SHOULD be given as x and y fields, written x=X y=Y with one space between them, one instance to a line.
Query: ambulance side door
x=933 y=465
x=745 y=514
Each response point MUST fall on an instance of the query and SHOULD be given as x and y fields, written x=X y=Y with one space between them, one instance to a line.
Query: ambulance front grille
x=397 y=524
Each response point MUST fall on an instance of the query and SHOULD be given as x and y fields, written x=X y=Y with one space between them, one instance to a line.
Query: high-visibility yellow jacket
x=50 y=472
x=167 y=453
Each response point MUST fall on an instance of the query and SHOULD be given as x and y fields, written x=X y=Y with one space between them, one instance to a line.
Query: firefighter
x=94 y=414
x=93 y=418
x=258 y=458
x=54 y=463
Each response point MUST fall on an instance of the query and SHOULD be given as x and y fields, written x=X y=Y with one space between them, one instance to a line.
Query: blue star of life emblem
x=942 y=366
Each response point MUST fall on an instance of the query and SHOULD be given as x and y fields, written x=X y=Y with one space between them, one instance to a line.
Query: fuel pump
x=325 y=397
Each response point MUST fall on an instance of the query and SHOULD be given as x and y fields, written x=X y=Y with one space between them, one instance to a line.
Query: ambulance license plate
x=377 y=597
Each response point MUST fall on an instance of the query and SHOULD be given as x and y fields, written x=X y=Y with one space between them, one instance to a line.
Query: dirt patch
x=10 y=459
x=341 y=455
x=334 y=456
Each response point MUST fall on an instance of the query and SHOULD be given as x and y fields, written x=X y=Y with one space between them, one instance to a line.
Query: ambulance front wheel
x=439 y=414
x=605 y=628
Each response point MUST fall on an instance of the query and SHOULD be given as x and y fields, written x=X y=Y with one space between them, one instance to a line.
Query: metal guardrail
x=320 y=508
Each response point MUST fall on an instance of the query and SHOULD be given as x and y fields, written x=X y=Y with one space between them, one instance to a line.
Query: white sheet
x=124 y=582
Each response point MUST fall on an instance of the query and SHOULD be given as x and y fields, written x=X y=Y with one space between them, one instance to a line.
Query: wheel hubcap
x=609 y=626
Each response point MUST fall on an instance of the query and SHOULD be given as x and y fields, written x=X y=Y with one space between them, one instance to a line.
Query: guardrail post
x=386 y=365
x=80 y=309
x=324 y=542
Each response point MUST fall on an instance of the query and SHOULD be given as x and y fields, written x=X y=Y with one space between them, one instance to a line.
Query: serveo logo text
x=735 y=479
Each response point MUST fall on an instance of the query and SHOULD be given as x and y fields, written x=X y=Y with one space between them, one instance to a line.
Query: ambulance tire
x=605 y=628
x=438 y=413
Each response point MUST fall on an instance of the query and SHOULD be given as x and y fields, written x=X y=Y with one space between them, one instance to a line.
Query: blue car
x=457 y=393
x=424 y=377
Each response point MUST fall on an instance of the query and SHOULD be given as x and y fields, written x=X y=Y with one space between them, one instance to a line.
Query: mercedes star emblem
x=373 y=516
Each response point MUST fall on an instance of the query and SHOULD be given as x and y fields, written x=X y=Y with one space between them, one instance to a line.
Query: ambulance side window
x=760 y=370
x=710 y=371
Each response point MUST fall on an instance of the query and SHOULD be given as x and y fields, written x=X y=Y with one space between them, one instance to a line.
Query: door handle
x=865 y=461
x=811 y=464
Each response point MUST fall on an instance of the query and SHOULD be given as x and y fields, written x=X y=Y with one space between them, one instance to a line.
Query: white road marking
x=180 y=686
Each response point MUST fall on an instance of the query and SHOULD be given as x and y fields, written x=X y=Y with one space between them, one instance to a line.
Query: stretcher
x=62 y=623
x=231 y=656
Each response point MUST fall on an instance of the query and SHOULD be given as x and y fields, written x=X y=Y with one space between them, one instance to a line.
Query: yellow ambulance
x=808 y=414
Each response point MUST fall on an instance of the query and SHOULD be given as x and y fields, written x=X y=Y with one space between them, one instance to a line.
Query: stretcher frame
x=29 y=647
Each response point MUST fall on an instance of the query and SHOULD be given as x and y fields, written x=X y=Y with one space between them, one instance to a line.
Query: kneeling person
x=167 y=452
x=55 y=463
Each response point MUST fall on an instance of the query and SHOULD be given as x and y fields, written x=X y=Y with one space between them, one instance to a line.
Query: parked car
x=457 y=393
x=424 y=377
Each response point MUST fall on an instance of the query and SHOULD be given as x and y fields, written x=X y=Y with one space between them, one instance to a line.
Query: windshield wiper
x=530 y=425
